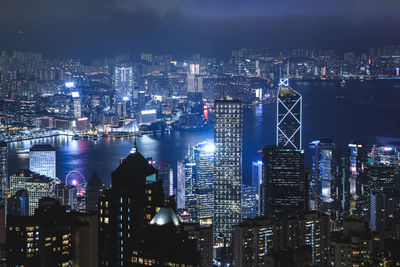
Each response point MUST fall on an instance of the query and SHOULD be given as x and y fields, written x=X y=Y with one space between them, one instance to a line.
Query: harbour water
x=356 y=111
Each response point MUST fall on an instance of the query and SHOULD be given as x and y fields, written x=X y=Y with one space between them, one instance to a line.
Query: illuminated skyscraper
x=249 y=202
x=3 y=188
x=76 y=102
x=180 y=185
x=166 y=175
x=42 y=160
x=284 y=182
x=353 y=185
x=123 y=83
x=289 y=116
x=204 y=159
x=27 y=113
x=38 y=188
x=323 y=180
x=3 y=170
x=190 y=187
x=256 y=177
x=228 y=166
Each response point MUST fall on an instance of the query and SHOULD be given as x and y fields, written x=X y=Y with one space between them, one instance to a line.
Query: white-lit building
x=228 y=167
x=148 y=116
x=42 y=160
x=204 y=158
x=76 y=102
x=123 y=83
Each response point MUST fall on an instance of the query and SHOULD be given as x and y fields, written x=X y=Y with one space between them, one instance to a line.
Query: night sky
x=93 y=28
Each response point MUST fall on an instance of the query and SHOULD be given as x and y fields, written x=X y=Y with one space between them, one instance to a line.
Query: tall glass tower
x=289 y=116
x=204 y=158
x=123 y=83
x=323 y=180
x=228 y=167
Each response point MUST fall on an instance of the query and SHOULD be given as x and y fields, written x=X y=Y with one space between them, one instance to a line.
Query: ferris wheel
x=76 y=178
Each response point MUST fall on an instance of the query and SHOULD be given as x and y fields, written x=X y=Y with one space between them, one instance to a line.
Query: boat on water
x=95 y=137
x=76 y=137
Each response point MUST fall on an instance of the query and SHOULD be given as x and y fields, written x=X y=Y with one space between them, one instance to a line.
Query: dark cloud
x=90 y=28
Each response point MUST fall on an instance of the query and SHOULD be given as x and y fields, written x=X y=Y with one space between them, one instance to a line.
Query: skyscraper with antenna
x=289 y=116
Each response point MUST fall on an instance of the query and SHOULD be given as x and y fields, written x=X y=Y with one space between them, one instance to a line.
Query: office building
x=323 y=180
x=385 y=155
x=228 y=122
x=254 y=239
x=136 y=195
x=18 y=204
x=382 y=177
x=94 y=187
x=18 y=180
x=42 y=160
x=66 y=195
x=355 y=246
x=76 y=105
x=148 y=116
x=277 y=71
x=203 y=154
x=384 y=211
x=123 y=83
x=180 y=185
x=45 y=122
x=38 y=187
x=289 y=117
x=3 y=170
x=256 y=181
x=190 y=187
x=249 y=201
x=284 y=182
x=27 y=113
x=165 y=174
x=353 y=183
x=50 y=237
x=204 y=241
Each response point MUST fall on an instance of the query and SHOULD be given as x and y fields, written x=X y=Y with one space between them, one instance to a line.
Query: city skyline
x=200 y=133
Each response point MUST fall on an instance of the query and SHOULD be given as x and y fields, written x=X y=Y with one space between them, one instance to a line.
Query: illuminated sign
x=75 y=94
x=150 y=111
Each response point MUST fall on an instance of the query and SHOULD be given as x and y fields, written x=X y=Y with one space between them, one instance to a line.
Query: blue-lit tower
x=204 y=158
x=323 y=180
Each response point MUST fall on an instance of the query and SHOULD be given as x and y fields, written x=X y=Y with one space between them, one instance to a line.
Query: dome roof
x=165 y=216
